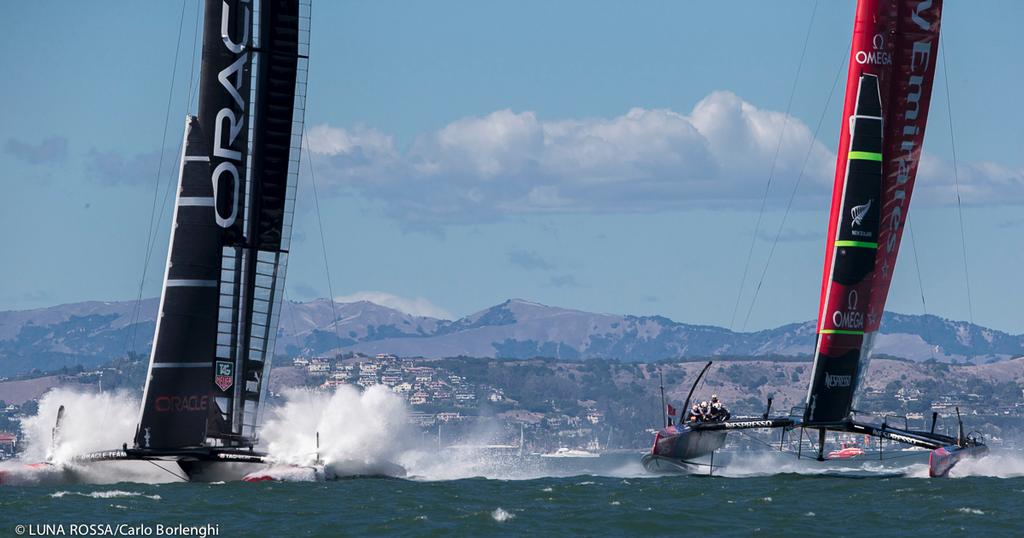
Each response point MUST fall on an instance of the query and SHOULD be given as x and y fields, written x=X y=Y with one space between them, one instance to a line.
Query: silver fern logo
x=859 y=212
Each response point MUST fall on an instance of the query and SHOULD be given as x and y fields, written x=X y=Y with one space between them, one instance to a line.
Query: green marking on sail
x=841 y=331
x=866 y=156
x=861 y=244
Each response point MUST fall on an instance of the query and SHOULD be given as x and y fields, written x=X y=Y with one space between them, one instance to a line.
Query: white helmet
x=714 y=398
x=704 y=404
x=717 y=405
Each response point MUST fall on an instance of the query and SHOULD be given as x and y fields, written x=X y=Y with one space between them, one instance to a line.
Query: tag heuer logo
x=224 y=377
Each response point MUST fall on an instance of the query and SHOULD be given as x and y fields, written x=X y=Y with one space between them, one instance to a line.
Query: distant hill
x=94 y=332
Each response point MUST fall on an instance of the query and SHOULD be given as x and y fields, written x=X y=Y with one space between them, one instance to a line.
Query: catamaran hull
x=942 y=459
x=325 y=472
x=662 y=465
x=35 y=474
x=675 y=449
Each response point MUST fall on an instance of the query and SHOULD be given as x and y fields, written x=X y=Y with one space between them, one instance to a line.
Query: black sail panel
x=177 y=396
x=838 y=364
x=273 y=126
x=224 y=106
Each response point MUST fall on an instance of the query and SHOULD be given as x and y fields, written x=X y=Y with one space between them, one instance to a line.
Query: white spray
x=371 y=427
x=92 y=421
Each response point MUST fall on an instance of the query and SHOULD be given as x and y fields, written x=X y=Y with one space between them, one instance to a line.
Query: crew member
x=721 y=413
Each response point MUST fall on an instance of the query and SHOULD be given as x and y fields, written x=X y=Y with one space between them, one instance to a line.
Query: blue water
x=771 y=505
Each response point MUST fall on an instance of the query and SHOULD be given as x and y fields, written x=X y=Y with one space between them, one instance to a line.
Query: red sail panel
x=895 y=47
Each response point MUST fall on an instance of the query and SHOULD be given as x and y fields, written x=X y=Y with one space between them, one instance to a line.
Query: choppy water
x=618 y=500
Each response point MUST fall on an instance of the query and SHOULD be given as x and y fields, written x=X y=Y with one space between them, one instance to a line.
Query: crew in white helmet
x=719 y=410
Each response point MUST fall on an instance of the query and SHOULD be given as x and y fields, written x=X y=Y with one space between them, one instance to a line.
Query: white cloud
x=507 y=163
x=417 y=306
x=980 y=182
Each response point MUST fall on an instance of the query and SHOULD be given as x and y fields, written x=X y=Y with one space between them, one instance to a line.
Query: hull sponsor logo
x=181 y=404
x=900 y=438
x=750 y=424
x=239 y=457
x=837 y=381
x=108 y=455
x=224 y=377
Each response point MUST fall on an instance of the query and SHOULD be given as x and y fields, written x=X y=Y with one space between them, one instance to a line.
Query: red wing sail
x=895 y=46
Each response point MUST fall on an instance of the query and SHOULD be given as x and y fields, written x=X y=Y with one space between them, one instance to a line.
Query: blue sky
x=606 y=156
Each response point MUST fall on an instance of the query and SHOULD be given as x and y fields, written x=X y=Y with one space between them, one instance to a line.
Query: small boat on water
x=846 y=452
x=564 y=452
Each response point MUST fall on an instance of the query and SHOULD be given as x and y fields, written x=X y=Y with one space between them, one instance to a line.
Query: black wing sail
x=837 y=368
x=231 y=232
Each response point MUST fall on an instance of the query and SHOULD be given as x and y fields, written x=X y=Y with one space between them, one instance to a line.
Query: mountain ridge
x=94 y=332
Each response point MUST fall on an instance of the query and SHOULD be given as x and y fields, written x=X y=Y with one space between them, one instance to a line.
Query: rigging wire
x=195 y=48
x=956 y=180
x=320 y=223
x=917 y=265
x=771 y=173
x=796 y=186
x=920 y=281
x=291 y=310
x=133 y=318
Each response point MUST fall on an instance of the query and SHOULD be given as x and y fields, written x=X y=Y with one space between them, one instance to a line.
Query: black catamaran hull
x=942 y=459
x=676 y=448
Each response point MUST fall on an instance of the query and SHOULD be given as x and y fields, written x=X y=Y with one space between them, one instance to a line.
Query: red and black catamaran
x=888 y=91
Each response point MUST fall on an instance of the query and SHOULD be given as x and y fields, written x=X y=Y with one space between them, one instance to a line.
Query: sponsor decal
x=876 y=56
x=851 y=318
x=750 y=424
x=859 y=212
x=230 y=121
x=104 y=455
x=837 y=381
x=239 y=457
x=181 y=404
x=224 y=375
x=146 y=437
x=906 y=162
x=900 y=438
